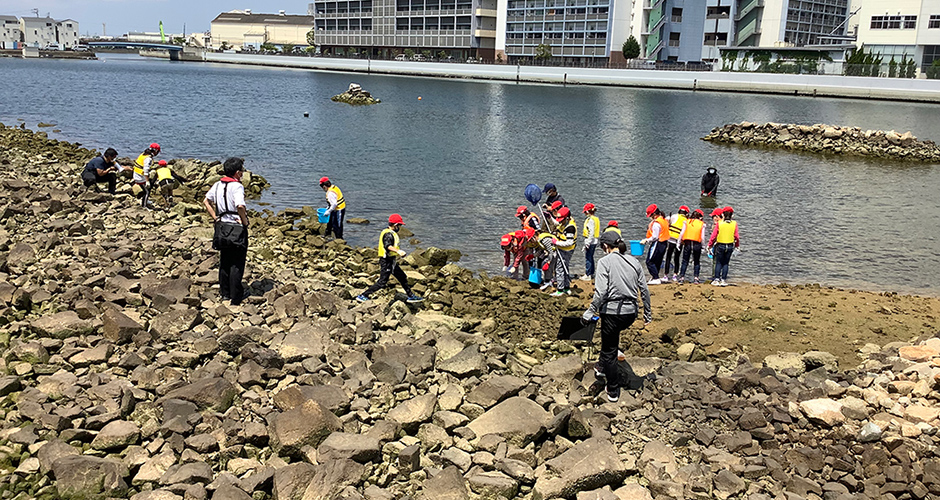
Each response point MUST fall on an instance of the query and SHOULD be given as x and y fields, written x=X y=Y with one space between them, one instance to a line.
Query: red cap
x=529 y=232
x=651 y=209
x=556 y=205
x=520 y=234
x=521 y=210
x=588 y=206
x=699 y=211
x=161 y=163
x=155 y=146
x=727 y=210
x=683 y=207
x=613 y=223
x=563 y=212
x=715 y=212
x=324 y=180
x=395 y=219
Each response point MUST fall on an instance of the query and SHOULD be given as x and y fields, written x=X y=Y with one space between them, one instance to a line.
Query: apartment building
x=684 y=30
x=10 y=34
x=383 y=28
x=901 y=29
x=245 y=29
x=67 y=30
x=789 y=23
x=43 y=31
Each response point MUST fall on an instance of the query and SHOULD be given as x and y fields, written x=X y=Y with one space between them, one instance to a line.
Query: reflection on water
x=454 y=164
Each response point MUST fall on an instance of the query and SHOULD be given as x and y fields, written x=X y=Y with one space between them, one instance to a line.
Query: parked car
x=80 y=48
x=52 y=46
x=401 y=57
x=419 y=57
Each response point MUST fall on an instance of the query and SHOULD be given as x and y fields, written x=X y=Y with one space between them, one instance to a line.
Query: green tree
x=426 y=53
x=409 y=54
x=892 y=68
x=543 y=52
x=287 y=48
x=933 y=71
x=312 y=37
x=178 y=40
x=268 y=47
x=442 y=55
x=728 y=58
x=631 y=48
x=310 y=50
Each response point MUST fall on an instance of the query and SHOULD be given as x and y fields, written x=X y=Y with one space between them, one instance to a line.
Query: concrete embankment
x=802 y=85
x=828 y=139
x=123 y=376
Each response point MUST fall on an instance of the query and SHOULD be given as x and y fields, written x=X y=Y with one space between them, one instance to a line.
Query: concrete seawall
x=763 y=83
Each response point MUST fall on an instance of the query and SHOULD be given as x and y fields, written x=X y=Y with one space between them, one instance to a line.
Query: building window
x=893 y=22
x=676 y=15
x=934 y=21
x=674 y=39
x=931 y=54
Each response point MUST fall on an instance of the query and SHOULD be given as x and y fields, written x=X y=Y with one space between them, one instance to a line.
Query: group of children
x=541 y=249
x=146 y=174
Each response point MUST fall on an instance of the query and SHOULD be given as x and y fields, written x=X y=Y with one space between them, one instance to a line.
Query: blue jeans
x=654 y=258
x=335 y=225
x=589 y=260
x=693 y=250
x=722 y=259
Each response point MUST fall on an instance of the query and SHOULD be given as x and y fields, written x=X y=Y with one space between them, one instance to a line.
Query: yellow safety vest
x=382 y=239
x=676 y=227
x=164 y=173
x=340 y=201
x=614 y=229
x=726 y=230
x=562 y=235
x=139 y=164
x=592 y=227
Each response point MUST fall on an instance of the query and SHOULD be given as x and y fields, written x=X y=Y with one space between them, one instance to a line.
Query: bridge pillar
x=174 y=55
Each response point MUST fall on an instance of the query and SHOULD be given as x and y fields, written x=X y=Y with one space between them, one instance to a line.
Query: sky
x=122 y=16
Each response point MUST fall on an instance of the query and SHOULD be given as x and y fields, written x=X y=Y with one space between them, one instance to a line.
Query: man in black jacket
x=710 y=182
x=102 y=169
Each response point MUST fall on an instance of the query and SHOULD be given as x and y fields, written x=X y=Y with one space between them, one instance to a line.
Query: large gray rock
x=467 y=363
x=493 y=485
x=21 y=255
x=307 y=424
x=495 y=389
x=117 y=434
x=518 y=420
x=303 y=341
x=171 y=325
x=413 y=412
x=156 y=495
x=331 y=397
x=416 y=358
x=320 y=482
x=52 y=451
x=823 y=411
x=118 y=327
x=79 y=477
x=213 y=393
x=172 y=290
x=153 y=469
x=291 y=481
x=589 y=465
x=560 y=369
x=449 y=484
x=359 y=447
x=191 y=473
x=61 y=325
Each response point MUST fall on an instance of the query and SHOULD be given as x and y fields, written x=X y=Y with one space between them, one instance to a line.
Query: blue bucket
x=535 y=275
x=322 y=216
x=636 y=248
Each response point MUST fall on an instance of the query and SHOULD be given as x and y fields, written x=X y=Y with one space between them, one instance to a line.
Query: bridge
x=174 y=49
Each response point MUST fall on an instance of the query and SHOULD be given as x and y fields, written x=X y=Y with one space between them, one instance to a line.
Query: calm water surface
x=455 y=163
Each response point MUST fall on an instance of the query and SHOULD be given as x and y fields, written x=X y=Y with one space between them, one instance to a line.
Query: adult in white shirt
x=225 y=203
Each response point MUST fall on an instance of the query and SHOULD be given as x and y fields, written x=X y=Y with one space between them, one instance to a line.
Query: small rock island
x=355 y=96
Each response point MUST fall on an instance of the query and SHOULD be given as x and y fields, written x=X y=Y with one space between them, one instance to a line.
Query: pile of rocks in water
x=125 y=377
x=356 y=96
x=828 y=139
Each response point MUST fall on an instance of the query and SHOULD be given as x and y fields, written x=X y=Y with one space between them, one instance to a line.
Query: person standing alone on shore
x=337 y=208
x=389 y=252
x=102 y=169
x=618 y=286
x=225 y=203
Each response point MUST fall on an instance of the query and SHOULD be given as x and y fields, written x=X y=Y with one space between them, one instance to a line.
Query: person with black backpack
x=619 y=283
x=225 y=203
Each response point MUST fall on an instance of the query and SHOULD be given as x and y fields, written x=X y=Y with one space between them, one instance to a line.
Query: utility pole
x=35 y=12
x=104 y=30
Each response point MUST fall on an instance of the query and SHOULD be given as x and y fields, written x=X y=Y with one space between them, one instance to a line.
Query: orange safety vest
x=663 y=229
x=693 y=227
x=525 y=223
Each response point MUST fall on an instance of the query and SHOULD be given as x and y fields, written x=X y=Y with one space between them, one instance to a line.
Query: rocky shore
x=828 y=139
x=123 y=376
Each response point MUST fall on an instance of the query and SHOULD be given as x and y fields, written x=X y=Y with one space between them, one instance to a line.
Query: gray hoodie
x=618 y=284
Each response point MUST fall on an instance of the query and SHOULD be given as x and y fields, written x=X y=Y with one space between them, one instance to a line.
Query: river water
x=454 y=162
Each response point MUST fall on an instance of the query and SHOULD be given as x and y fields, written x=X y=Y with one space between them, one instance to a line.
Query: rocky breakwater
x=355 y=96
x=828 y=139
x=124 y=377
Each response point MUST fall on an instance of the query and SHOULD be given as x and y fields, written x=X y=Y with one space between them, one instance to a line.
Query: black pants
x=166 y=189
x=611 y=326
x=389 y=266
x=231 y=271
x=335 y=225
x=111 y=179
x=673 y=253
x=693 y=250
x=145 y=195
x=654 y=258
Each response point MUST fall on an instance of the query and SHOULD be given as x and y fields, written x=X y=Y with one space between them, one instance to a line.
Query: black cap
x=610 y=238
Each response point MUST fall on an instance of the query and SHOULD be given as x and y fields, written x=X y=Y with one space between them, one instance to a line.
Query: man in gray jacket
x=618 y=284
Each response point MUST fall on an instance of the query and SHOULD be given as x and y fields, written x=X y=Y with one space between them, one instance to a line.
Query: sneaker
x=545 y=286
x=362 y=298
x=613 y=395
x=716 y=282
x=598 y=373
x=696 y=281
x=414 y=298
x=567 y=291
x=723 y=283
x=621 y=356
x=656 y=281
x=586 y=278
x=681 y=280
x=557 y=293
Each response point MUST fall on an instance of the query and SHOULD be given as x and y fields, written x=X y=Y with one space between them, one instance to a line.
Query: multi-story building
x=901 y=29
x=38 y=31
x=684 y=30
x=247 y=30
x=67 y=31
x=10 y=34
x=383 y=28
x=789 y=23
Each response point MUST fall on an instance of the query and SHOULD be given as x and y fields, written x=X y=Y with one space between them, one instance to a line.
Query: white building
x=901 y=29
x=10 y=34
x=43 y=31
x=68 y=33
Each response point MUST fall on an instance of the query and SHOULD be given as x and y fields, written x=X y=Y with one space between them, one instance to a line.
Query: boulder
x=306 y=425
x=416 y=358
x=495 y=389
x=359 y=447
x=823 y=411
x=118 y=327
x=115 y=435
x=493 y=485
x=190 y=473
x=560 y=369
x=413 y=412
x=331 y=397
x=449 y=484
x=61 y=325
x=589 y=465
x=213 y=393
x=519 y=420
x=170 y=325
x=80 y=477
x=468 y=363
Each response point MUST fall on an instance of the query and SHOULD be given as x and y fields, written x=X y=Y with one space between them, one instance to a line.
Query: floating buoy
x=306 y=115
x=419 y=98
